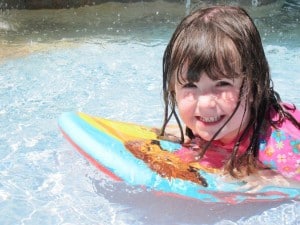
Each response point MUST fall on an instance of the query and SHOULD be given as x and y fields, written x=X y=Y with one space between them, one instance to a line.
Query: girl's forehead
x=193 y=73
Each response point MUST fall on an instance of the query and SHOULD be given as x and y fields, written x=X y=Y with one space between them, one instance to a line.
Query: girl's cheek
x=229 y=96
x=187 y=96
x=183 y=105
x=185 y=102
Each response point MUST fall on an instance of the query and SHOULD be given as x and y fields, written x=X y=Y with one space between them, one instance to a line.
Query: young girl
x=216 y=73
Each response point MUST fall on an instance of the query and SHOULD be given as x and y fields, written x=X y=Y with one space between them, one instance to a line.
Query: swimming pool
x=112 y=70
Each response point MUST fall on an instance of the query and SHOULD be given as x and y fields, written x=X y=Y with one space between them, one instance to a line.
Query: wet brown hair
x=223 y=41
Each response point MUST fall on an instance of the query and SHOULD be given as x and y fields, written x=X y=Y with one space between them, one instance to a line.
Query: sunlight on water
x=113 y=73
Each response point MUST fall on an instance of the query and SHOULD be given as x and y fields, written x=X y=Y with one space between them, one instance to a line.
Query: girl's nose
x=206 y=101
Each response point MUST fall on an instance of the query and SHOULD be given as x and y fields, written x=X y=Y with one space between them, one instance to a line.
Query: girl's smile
x=207 y=104
x=210 y=120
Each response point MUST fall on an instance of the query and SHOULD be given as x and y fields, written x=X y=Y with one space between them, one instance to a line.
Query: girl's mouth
x=210 y=120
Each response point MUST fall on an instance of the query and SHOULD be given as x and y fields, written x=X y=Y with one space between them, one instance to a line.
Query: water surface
x=106 y=60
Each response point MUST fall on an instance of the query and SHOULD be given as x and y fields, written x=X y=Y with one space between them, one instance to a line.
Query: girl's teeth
x=210 y=119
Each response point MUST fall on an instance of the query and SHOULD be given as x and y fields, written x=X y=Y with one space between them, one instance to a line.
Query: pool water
x=113 y=70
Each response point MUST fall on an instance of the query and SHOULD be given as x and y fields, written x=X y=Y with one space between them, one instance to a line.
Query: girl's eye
x=189 y=85
x=223 y=83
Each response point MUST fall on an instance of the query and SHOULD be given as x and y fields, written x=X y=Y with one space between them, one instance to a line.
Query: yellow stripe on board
x=119 y=130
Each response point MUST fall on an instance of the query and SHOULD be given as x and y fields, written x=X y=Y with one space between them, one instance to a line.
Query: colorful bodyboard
x=132 y=153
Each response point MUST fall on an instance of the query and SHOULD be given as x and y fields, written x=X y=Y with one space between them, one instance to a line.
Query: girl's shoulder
x=280 y=146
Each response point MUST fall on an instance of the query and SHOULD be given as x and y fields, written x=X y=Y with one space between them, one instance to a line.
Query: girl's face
x=204 y=106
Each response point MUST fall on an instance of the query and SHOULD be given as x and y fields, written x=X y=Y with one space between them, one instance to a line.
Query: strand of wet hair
x=231 y=164
x=167 y=96
x=252 y=151
x=168 y=117
x=281 y=109
x=248 y=156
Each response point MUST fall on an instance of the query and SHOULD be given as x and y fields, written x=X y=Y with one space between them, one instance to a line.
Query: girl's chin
x=205 y=136
x=224 y=140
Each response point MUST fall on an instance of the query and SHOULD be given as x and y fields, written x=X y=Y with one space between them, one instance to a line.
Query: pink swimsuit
x=280 y=148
